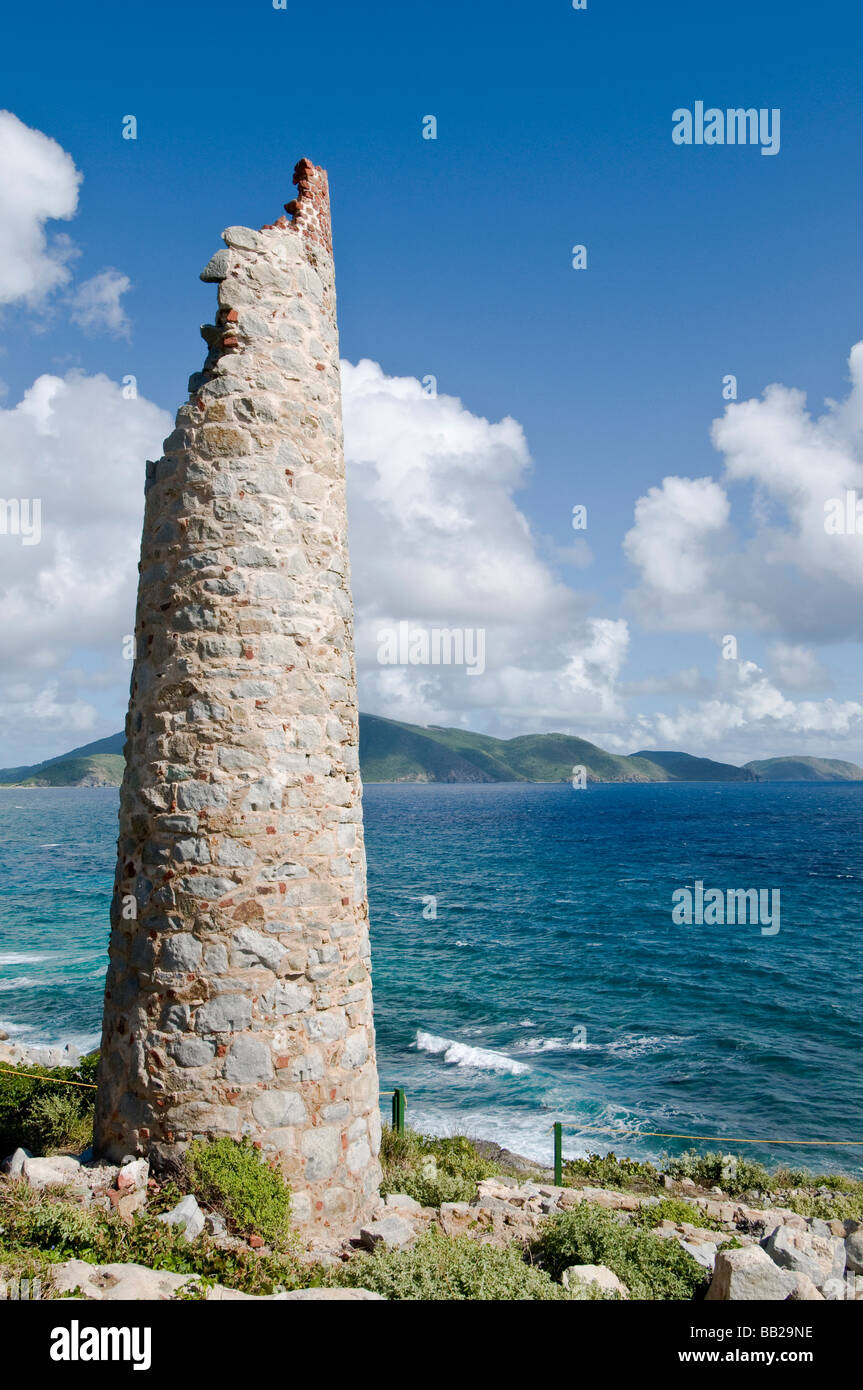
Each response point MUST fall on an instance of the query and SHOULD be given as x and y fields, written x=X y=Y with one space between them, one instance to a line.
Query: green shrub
x=440 y=1267
x=234 y=1178
x=835 y=1207
x=58 y=1121
x=38 y=1229
x=41 y=1115
x=432 y=1170
x=611 y=1171
x=652 y=1267
x=673 y=1209
x=734 y=1174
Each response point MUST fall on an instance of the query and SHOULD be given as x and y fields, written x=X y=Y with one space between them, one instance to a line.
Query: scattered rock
x=186 y=1214
x=854 y=1249
x=703 y=1253
x=601 y=1275
x=392 y=1231
x=127 y=1203
x=49 y=1172
x=134 y=1176
x=834 y=1290
x=215 y=1224
x=806 y=1291
x=115 y=1281
x=819 y=1257
x=400 y=1201
x=749 y=1273
x=13 y=1166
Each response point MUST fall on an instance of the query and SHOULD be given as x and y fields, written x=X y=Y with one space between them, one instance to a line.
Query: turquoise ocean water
x=551 y=983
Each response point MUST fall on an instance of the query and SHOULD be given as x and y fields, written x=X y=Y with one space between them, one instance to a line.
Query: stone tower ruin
x=238 y=998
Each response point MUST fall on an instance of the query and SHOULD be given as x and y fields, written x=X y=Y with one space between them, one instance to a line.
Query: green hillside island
x=806 y=770
x=394 y=752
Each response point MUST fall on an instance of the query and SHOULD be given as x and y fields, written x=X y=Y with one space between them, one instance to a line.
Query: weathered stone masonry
x=238 y=998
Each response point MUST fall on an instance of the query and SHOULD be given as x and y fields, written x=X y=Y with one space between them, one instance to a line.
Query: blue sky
x=453 y=258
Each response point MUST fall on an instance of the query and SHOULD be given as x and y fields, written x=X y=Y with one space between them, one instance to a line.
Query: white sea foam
x=19 y=957
x=523 y=1132
x=463 y=1055
x=629 y=1045
x=540 y=1044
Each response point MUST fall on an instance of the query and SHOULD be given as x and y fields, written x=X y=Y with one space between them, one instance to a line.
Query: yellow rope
x=712 y=1138
x=58 y=1080
x=596 y=1129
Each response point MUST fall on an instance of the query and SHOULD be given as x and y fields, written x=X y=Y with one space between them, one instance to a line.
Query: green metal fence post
x=558 y=1154
x=399 y=1106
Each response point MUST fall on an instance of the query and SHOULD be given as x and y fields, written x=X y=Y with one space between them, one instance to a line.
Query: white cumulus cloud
x=778 y=570
x=74 y=448
x=438 y=540
x=38 y=183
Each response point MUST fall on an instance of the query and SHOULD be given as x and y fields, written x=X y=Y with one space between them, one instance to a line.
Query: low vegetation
x=734 y=1174
x=650 y=1266
x=38 y=1229
x=233 y=1178
x=673 y=1209
x=608 y=1170
x=432 y=1170
x=42 y=1116
x=449 y=1267
x=825 y=1195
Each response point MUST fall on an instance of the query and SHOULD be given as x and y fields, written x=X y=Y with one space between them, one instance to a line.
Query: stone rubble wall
x=238 y=998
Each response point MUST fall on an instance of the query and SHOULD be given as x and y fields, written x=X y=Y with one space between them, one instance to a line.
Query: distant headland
x=391 y=751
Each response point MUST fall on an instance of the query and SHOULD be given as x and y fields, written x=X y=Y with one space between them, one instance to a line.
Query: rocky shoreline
x=39 y=1055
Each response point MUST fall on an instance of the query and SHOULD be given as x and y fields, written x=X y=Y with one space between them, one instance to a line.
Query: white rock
x=400 y=1201
x=47 y=1172
x=116 y=1282
x=834 y=1290
x=186 y=1214
x=134 y=1176
x=749 y=1273
x=819 y=1257
x=601 y=1275
x=854 y=1250
x=702 y=1252
x=806 y=1291
x=391 y=1231
x=13 y=1166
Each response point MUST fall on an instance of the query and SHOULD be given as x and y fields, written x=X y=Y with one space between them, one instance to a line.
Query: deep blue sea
x=552 y=982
